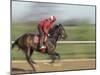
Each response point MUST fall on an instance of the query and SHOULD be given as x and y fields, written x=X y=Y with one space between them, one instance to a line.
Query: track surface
x=19 y=67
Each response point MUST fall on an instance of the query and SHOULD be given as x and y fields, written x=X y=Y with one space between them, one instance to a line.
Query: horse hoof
x=59 y=58
x=34 y=62
x=51 y=62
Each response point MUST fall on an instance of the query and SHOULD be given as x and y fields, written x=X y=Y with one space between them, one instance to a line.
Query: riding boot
x=42 y=47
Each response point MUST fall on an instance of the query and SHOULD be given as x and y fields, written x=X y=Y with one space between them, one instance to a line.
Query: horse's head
x=61 y=31
x=58 y=30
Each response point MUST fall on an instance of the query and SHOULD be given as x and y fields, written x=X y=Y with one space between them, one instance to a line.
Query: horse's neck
x=54 y=38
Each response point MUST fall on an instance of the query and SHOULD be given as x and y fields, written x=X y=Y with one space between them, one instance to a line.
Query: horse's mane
x=53 y=29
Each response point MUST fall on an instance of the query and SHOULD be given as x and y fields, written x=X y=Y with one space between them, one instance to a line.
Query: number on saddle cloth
x=36 y=39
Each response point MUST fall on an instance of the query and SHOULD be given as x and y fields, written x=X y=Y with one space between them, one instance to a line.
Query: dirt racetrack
x=19 y=67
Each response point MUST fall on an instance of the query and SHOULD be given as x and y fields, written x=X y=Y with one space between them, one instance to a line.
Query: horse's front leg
x=54 y=56
x=51 y=51
x=57 y=55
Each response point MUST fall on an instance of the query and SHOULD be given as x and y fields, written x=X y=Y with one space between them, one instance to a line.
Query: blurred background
x=78 y=21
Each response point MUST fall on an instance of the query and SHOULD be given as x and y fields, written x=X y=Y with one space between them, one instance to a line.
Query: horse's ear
x=57 y=25
x=60 y=24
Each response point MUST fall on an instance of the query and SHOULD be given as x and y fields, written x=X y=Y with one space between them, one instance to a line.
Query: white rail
x=74 y=41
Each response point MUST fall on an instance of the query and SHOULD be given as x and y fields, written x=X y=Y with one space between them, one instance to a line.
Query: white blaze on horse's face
x=63 y=33
x=62 y=36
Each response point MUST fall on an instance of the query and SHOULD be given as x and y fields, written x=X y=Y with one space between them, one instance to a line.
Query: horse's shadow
x=19 y=71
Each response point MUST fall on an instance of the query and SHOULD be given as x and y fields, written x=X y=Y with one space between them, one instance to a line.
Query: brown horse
x=29 y=42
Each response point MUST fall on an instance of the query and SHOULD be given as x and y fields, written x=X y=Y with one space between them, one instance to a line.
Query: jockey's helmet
x=52 y=18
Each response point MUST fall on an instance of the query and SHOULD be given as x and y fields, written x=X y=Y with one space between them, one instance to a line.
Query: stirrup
x=43 y=47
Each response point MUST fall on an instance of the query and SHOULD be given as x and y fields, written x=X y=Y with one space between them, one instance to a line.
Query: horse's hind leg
x=28 y=60
x=31 y=52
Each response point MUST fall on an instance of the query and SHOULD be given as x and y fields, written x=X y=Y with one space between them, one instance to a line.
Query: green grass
x=75 y=33
x=80 y=33
x=67 y=51
x=20 y=28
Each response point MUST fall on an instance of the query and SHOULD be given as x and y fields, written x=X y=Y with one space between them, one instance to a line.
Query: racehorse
x=29 y=42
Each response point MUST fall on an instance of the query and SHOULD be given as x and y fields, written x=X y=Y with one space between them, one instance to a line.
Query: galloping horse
x=29 y=42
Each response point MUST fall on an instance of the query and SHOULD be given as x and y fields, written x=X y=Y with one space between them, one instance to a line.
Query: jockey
x=44 y=26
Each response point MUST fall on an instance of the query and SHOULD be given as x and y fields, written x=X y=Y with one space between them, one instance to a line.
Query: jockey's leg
x=45 y=38
x=43 y=46
x=41 y=33
x=41 y=41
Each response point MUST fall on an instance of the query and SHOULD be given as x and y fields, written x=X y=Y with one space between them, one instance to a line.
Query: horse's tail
x=15 y=43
